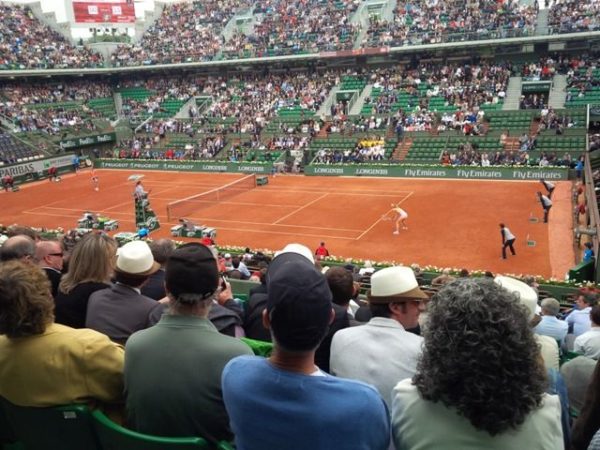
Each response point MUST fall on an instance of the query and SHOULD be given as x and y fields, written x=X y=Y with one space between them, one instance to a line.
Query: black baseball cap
x=298 y=301
x=192 y=269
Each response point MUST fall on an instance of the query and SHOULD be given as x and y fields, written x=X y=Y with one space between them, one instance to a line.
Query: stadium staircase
x=358 y=105
x=558 y=93
x=511 y=144
x=402 y=149
x=513 y=94
x=541 y=27
x=325 y=108
x=184 y=111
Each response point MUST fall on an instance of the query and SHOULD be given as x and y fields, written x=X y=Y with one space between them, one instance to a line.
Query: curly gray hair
x=480 y=356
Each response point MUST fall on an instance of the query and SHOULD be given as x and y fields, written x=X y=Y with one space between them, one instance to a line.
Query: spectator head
x=550 y=307
x=395 y=293
x=583 y=299
x=16 y=230
x=595 y=315
x=299 y=310
x=135 y=264
x=161 y=250
x=341 y=285
x=49 y=254
x=464 y=273
x=191 y=277
x=92 y=259
x=478 y=334
x=235 y=262
x=26 y=304
x=19 y=247
x=524 y=293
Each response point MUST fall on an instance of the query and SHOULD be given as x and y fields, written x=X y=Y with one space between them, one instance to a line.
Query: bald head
x=18 y=247
x=49 y=254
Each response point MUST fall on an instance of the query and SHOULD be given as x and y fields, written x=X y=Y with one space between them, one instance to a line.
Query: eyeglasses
x=56 y=254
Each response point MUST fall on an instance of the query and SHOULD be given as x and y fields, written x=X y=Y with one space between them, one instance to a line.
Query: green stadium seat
x=62 y=427
x=115 y=437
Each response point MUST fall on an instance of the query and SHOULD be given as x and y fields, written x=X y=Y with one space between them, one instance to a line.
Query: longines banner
x=184 y=166
x=88 y=140
x=37 y=166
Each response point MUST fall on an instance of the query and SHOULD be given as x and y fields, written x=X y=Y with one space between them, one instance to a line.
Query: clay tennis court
x=451 y=223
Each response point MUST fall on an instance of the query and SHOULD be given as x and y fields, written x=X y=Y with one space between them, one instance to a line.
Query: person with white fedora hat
x=121 y=310
x=382 y=352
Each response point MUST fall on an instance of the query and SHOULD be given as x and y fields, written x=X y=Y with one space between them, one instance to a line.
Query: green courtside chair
x=115 y=437
x=61 y=427
x=260 y=348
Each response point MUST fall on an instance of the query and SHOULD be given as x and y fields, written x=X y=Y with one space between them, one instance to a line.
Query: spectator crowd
x=117 y=322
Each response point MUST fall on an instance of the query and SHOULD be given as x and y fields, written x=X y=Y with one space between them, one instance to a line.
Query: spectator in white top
x=579 y=319
x=550 y=325
x=588 y=344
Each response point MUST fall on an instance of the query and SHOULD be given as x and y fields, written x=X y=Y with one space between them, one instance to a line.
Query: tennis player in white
x=398 y=216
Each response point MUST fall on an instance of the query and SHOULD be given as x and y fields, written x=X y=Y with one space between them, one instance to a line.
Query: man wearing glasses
x=49 y=256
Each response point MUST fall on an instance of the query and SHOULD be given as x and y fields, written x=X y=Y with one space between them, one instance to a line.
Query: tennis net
x=185 y=206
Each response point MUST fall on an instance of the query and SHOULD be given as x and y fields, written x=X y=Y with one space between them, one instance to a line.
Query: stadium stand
x=185 y=32
x=424 y=22
x=26 y=43
x=13 y=151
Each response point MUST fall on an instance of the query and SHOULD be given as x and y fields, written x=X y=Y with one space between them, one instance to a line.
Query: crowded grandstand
x=299 y=224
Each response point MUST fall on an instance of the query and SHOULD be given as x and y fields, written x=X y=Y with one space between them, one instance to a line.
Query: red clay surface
x=451 y=223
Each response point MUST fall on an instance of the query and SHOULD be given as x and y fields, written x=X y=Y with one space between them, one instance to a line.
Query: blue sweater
x=274 y=409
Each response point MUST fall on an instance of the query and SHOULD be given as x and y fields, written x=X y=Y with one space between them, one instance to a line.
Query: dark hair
x=161 y=250
x=340 y=284
x=595 y=314
x=26 y=305
x=235 y=262
x=502 y=225
x=480 y=356
x=130 y=279
x=380 y=310
x=15 y=230
x=588 y=421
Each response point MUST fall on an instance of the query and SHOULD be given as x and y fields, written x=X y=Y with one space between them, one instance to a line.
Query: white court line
x=379 y=220
x=301 y=208
x=236 y=203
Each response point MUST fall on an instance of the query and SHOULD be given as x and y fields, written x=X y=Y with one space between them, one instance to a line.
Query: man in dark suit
x=49 y=256
x=121 y=310
x=161 y=251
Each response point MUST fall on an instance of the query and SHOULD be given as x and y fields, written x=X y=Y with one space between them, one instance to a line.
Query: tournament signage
x=88 y=140
x=184 y=166
x=37 y=166
x=104 y=11
x=470 y=173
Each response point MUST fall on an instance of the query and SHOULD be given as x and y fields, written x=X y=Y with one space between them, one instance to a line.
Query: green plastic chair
x=260 y=348
x=115 y=437
x=61 y=427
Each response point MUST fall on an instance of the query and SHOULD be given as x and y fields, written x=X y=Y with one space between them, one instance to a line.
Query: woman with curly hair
x=480 y=382
x=43 y=363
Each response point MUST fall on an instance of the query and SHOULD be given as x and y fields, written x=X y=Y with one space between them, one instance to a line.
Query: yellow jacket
x=61 y=366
